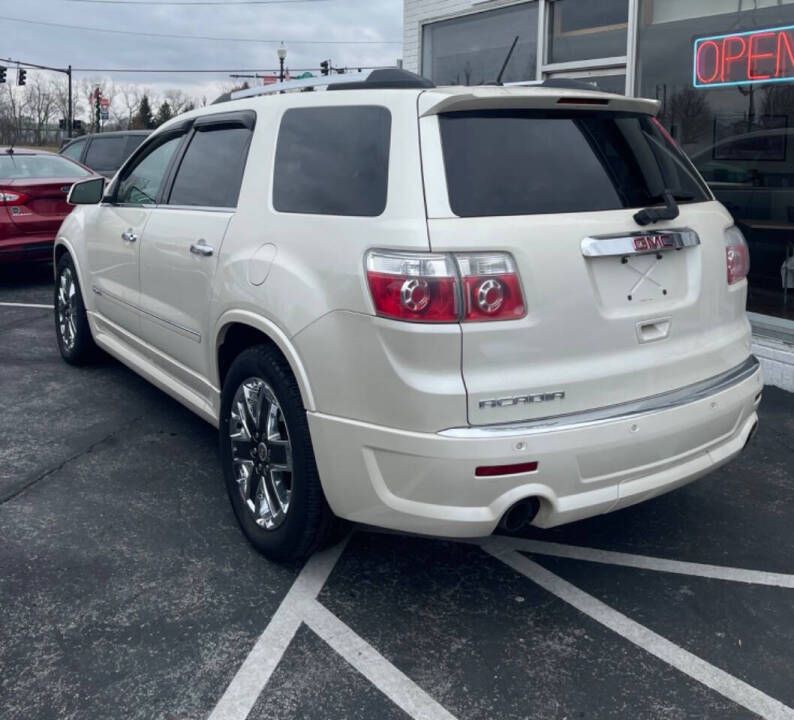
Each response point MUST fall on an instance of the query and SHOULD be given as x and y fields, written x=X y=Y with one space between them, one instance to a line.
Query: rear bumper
x=589 y=463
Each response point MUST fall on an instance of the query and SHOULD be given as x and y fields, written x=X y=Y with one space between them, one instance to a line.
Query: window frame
x=186 y=128
x=544 y=68
x=144 y=149
x=240 y=118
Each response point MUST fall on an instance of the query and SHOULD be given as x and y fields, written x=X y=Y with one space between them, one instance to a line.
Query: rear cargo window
x=333 y=161
x=508 y=162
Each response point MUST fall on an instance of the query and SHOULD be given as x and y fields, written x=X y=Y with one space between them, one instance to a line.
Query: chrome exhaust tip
x=519 y=515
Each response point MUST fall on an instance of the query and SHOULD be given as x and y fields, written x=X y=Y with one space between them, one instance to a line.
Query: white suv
x=428 y=309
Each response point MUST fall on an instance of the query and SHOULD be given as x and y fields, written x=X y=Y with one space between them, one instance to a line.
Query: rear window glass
x=38 y=166
x=333 y=161
x=106 y=153
x=528 y=162
x=74 y=150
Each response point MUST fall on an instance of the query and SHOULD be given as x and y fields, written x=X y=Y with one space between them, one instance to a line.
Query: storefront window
x=471 y=50
x=726 y=82
x=587 y=30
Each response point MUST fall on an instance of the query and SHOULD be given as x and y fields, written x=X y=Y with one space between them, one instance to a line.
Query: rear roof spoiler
x=536 y=97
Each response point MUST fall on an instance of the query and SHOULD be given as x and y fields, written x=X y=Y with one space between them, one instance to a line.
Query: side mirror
x=87 y=192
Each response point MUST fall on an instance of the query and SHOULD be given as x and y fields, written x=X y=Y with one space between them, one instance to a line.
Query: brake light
x=418 y=287
x=491 y=289
x=737 y=255
x=10 y=197
x=444 y=288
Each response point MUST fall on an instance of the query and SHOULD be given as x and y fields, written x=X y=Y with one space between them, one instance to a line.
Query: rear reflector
x=491 y=470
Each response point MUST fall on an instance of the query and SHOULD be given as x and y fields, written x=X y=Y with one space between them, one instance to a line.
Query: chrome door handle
x=201 y=249
x=129 y=236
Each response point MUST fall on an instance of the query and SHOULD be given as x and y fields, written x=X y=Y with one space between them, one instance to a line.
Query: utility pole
x=97 y=108
x=69 y=111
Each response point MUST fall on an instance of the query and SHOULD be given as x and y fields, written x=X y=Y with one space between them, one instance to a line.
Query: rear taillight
x=491 y=289
x=418 y=287
x=737 y=255
x=11 y=197
x=444 y=288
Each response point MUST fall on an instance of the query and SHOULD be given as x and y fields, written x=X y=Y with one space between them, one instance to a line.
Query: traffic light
x=3 y=74
x=22 y=75
x=324 y=69
x=77 y=124
x=62 y=124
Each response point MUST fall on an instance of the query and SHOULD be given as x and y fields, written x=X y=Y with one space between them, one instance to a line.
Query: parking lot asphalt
x=127 y=590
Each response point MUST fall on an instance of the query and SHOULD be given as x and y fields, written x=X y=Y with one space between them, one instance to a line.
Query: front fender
x=70 y=237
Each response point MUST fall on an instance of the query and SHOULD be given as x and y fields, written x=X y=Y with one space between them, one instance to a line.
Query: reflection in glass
x=470 y=50
x=741 y=138
x=587 y=30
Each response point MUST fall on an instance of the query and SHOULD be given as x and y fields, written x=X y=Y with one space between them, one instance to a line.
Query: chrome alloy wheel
x=67 y=293
x=261 y=453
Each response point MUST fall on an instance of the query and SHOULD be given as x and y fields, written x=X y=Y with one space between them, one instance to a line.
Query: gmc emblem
x=653 y=242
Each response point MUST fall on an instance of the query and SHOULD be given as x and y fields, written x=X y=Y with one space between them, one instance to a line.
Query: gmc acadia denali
x=428 y=309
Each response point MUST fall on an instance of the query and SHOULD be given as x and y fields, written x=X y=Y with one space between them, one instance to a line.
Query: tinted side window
x=133 y=141
x=105 y=153
x=333 y=161
x=211 y=171
x=141 y=183
x=75 y=150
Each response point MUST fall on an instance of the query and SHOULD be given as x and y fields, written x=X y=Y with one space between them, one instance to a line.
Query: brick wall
x=417 y=12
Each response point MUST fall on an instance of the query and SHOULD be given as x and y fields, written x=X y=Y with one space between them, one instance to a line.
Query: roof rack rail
x=377 y=79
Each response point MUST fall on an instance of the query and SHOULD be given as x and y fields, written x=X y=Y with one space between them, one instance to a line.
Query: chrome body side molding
x=615 y=413
x=187 y=332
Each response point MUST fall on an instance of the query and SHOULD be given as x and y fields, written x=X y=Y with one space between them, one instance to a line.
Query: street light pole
x=69 y=111
x=282 y=55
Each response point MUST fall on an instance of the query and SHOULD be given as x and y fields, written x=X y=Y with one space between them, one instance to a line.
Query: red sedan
x=33 y=189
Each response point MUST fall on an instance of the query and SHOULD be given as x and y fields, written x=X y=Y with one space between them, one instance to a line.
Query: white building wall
x=418 y=12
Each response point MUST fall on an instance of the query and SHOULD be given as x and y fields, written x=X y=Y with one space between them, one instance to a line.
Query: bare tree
x=40 y=106
x=177 y=100
x=13 y=114
x=130 y=99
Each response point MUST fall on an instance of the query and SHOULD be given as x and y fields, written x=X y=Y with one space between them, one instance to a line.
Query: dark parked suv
x=106 y=152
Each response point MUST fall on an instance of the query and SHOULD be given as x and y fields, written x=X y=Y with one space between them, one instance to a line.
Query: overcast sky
x=306 y=20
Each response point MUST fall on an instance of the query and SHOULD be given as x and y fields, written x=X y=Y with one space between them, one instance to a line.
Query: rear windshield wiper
x=670 y=211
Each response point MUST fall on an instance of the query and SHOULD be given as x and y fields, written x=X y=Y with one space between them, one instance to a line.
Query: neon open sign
x=758 y=56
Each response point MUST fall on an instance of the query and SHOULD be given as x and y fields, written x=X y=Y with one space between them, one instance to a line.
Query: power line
x=24 y=63
x=186 y=70
x=196 y=2
x=201 y=37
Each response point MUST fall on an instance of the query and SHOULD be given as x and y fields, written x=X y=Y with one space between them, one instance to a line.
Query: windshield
x=523 y=162
x=13 y=167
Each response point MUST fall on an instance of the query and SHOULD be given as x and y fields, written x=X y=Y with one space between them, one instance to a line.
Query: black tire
x=308 y=524
x=74 y=338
